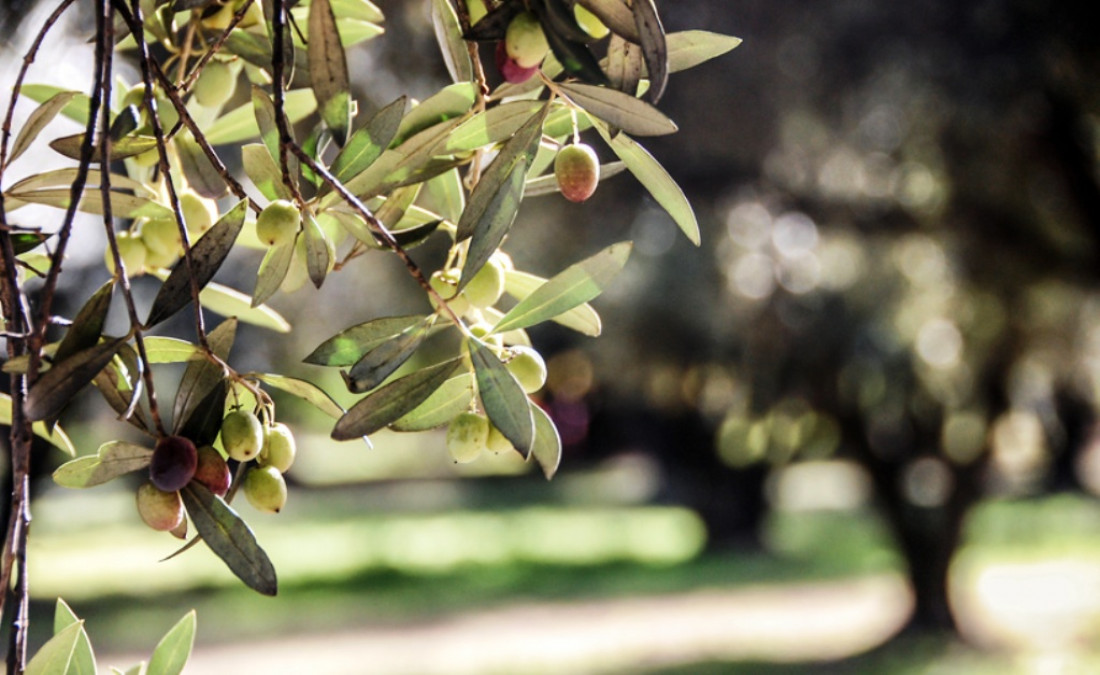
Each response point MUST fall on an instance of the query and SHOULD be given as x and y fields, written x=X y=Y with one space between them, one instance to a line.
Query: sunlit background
x=855 y=431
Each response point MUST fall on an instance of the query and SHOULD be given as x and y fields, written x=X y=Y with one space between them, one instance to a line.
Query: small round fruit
x=497 y=441
x=216 y=83
x=486 y=287
x=265 y=489
x=467 y=437
x=242 y=435
x=527 y=366
x=199 y=213
x=161 y=237
x=578 y=171
x=173 y=463
x=212 y=471
x=445 y=283
x=589 y=22
x=524 y=40
x=511 y=71
x=161 y=510
x=278 y=222
x=279 y=447
x=131 y=250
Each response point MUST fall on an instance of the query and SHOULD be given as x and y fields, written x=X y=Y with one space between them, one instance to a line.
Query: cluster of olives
x=176 y=462
x=155 y=242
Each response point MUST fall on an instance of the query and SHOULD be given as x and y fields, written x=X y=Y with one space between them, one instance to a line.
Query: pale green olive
x=486 y=287
x=278 y=222
x=265 y=489
x=467 y=437
x=279 y=448
x=242 y=435
x=528 y=367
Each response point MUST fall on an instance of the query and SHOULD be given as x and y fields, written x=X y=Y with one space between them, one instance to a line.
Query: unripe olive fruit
x=527 y=366
x=486 y=287
x=199 y=213
x=132 y=251
x=212 y=471
x=497 y=441
x=161 y=510
x=265 y=489
x=161 y=237
x=445 y=283
x=278 y=222
x=578 y=171
x=467 y=436
x=511 y=71
x=216 y=83
x=279 y=448
x=242 y=435
x=524 y=40
x=589 y=22
x=173 y=463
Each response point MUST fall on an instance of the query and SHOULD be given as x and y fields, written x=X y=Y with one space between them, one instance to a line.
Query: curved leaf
x=273 y=269
x=232 y=303
x=452 y=397
x=55 y=656
x=113 y=459
x=264 y=173
x=448 y=103
x=576 y=285
x=76 y=109
x=307 y=391
x=239 y=124
x=392 y=401
x=494 y=125
x=170 y=350
x=350 y=344
x=317 y=249
x=581 y=318
x=367 y=144
x=56 y=387
x=202 y=375
x=654 y=48
x=614 y=14
x=201 y=175
x=619 y=109
x=87 y=325
x=382 y=361
x=122 y=205
x=37 y=120
x=207 y=256
x=448 y=33
x=55 y=437
x=328 y=70
x=547 y=446
x=689 y=48
x=83 y=659
x=229 y=537
x=504 y=401
x=171 y=653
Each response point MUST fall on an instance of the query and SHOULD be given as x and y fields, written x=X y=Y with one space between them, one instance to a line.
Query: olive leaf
x=367 y=143
x=619 y=109
x=318 y=255
x=56 y=655
x=240 y=124
x=201 y=174
x=113 y=459
x=381 y=362
x=625 y=64
x=616 y=15
x=307 y=391
x=120 y=385
x=159 y=349
x=91 y=201
x=56 y=387
x=576 y=285
x=502 y=397
x=582 y=318
x=452 y=397
x=87 y=325
x=448 y=33
x=264 y=173
x=328 y=70
x=76 y=109
x=202 y=375
x=654 y=48
x=493 y=25
x=392 y=401
x=55 y=437
x=171 y=653
x=207 y=256
x=229 y=537
x=349 y=345
x=491 y=126
x=38 y=119
x=82 y=661
x=127 y=146
x=273 y=269
x=452 y=101
x=547 y=446
x=689 y=48
x=495 y=199
x=575 y=58
x=264 y=110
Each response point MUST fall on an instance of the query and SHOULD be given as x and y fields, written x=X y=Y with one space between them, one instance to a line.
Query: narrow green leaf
x=307 y=391
x=689 y=48
x=120 y=385
x=229 y=537
x=170 y=350
x=328 y=70
x=367 y=144
x=654 y=48
x=207 y=256
x=205 y=421
x=113 y=459
x=240 y=125
x=575 y=58
x=547 y=446
x=264 y=173
x=273 y=270
x=362 y=10
x=38 y=120
x=448 y=33
x=87 y=325
x=127 y=146
x=616 y=15
x=582 y=318
x=574 y=286
x=56 y=387
x=447 y=194
x=621 y=110
x=76 y=109
x=171 y=653
x=392 y=401
x=494 y=125
x=122 y=205
x=83 y=659
x=656 y=180
x=54 y=657
x=452 y=397
x=65 y=178
x=202 y=375
x=504 y=401
x=381 y=362
x=318 y=255
x=448 y=103
x=349 y=345
x=201 y=175
x=56 y=437
x=232 y=303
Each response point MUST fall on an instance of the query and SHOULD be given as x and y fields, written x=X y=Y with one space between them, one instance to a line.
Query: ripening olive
x=173 y=463
x=445 y=283
x=242 y=435
x=467 y=436
x=578 y=171
x=212 y=471
x=278 y=222
x=524 y=40
x=265 y=489
x=215 y=84
x=511 y=71
x=161 y=510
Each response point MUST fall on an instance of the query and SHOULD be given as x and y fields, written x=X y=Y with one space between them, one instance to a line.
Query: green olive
x=578 y=171
x=278 y=222
x=527 y=366
x=242 y=435
x=279 y=448
x=467 y=437
x=265 y=489
x=524 y=40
